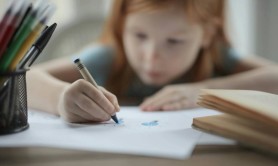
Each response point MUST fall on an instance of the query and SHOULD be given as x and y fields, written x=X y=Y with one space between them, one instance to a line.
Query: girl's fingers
x=112 y=98
x=97 y=96
x=73 y=115
x=90 y=109
x=150 y=100
x=74 y=119
x=165 y=92
x=154 y=103
x=79 y=114
x=84 y=102
x=171 y=98
x=171 y=101
x=182 y=104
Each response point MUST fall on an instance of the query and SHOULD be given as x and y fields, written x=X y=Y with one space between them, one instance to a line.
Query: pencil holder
x=13 y=102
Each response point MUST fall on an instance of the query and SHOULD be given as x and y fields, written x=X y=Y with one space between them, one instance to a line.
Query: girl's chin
x=153 y=82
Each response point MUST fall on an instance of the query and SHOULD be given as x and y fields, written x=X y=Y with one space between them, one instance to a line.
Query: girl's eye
x=174 y=41
x=141 y=36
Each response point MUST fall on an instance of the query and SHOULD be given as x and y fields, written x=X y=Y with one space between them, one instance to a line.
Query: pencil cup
x=13 y=102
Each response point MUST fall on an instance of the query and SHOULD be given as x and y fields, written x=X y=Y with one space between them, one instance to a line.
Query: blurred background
x=252 y=26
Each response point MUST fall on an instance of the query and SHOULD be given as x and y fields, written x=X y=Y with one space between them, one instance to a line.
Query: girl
x=159 y=52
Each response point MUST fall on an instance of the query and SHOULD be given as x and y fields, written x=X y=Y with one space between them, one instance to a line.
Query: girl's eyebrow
x=178 y=32
x=181 y=32
x=134 y=27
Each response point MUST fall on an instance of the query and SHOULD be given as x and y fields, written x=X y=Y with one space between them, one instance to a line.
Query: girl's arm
x=46 y=82
x=262 y=79
x=250 y=74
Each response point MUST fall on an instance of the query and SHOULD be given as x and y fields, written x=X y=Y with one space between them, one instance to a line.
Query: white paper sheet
x=210 y=139
x=161 y=134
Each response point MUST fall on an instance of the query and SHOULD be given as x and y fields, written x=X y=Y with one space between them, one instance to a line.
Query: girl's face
x=161 y=45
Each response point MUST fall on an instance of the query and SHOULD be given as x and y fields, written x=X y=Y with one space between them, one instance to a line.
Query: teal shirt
x=99 y=59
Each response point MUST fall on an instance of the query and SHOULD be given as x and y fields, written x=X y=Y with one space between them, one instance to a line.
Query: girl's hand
x=82 y=102
x=173 y=97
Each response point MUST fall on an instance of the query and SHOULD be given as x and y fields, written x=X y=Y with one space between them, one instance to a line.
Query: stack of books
x=249 y=117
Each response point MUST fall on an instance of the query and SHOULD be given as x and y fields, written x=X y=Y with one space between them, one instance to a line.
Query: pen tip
x=53 y=26
x=45 y=37
x=114 y=117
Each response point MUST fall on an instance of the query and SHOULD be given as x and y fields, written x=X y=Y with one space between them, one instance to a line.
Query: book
x=249 y=117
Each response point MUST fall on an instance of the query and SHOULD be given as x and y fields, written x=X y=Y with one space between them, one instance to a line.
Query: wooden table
x=212 y=155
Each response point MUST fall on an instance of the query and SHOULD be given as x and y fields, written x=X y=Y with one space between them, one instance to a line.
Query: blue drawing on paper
x=151 y=123
x=120 y=121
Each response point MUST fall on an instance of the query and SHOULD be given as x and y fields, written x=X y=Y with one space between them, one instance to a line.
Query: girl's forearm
x=262 y=79
x=43 y=91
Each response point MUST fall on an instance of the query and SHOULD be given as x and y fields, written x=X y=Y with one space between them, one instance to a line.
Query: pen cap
x=85 y=73
x=46 y=35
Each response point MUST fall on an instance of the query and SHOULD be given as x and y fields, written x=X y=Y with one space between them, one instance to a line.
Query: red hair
x=204 y=12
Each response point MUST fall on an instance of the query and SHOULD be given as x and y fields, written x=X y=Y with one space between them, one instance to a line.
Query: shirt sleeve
x=98 y=59
x=230 y=59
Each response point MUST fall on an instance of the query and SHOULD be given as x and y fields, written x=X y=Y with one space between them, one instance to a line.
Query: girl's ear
x=210 y=30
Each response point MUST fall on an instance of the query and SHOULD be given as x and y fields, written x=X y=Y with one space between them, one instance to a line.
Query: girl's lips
x=154 y=74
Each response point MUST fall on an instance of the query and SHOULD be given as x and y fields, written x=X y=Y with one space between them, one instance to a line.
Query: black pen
x=37 y=48
x=87 y=76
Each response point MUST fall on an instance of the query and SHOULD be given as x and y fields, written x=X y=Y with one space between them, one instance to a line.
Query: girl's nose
x=151 y=54
x=151 y=59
